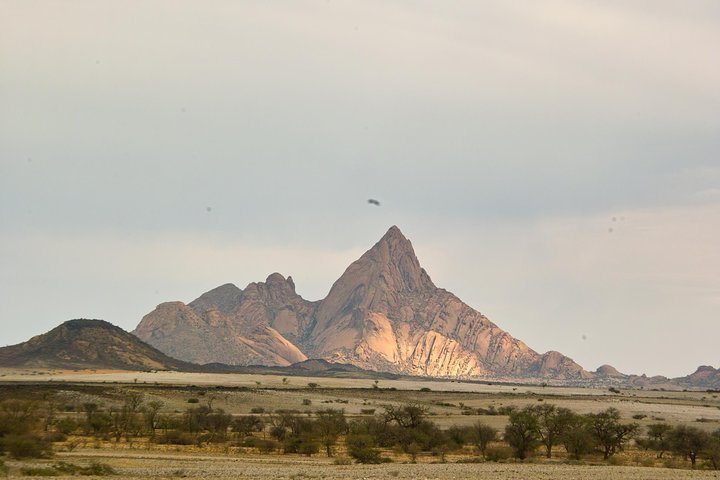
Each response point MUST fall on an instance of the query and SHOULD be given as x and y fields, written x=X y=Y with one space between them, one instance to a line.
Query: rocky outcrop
x=608 y=371
x=256 y=326
x=384 y=313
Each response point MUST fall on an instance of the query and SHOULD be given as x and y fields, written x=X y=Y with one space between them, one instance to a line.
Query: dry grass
x=239 y=394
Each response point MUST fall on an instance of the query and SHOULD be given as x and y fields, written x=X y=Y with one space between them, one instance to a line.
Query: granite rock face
x=384 y=313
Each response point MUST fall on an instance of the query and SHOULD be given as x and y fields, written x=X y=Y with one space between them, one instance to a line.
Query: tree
x=330 y=424
x=689 y=441
x=150 y=412
x=610 y=434
x=658 y=434
x=481 y=435
x=578 y=437
x=406 y=416
x=552 y=422
x=712 y=450
x=246 y=425
x=521 y=432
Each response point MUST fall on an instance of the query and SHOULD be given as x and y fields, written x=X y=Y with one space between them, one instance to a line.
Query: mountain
x=384 y=314
x=260 y=325
x=84 y=344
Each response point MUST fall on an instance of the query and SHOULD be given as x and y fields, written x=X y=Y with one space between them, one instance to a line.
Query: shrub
x=193 y=400
x=95 y=469
x=497 y=453
x=367 y=411
x=26 y=446
x=306 y=401
x=263 y=445
x=66 y=425
x=342 y=461
x=174 y=437
x=257 y=410
x=361 y=447
x=39 y=472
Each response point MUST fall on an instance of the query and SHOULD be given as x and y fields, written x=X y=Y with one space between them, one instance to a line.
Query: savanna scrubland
x=169 y=425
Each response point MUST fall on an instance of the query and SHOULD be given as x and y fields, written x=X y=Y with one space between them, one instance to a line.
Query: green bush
x=361 y=447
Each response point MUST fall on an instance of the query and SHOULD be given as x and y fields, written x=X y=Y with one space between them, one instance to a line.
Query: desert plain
x=447 y=404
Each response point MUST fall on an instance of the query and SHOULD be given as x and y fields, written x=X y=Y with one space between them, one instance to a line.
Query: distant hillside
x=83 y=344
x=306 y=368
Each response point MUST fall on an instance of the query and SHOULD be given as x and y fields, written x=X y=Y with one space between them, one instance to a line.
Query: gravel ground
x=132 y=465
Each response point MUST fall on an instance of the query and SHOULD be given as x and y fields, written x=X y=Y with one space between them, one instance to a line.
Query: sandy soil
x=152 y=465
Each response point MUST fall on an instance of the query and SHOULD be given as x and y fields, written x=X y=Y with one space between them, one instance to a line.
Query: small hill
x=83 y=344
x=609 y=371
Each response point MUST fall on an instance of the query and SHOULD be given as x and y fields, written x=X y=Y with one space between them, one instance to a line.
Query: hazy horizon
x=555 y=165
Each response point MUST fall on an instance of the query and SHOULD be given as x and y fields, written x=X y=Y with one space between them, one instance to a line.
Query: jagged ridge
x=384 y=313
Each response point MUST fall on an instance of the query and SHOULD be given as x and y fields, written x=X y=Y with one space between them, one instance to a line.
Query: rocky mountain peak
x=224 y=298
x=384 y=313
x=391 y=263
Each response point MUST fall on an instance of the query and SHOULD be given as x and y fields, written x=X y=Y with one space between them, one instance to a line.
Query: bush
x=497 y=453
x=39 y=472
x=174 y=437
x=342 y=461
x=306 y=401
x=193 y=400
x=66 y=425
x=257 y=410
x=26 y=446
x=94 y=469
x=361 y=447
x=62 y=468
x=263 y=445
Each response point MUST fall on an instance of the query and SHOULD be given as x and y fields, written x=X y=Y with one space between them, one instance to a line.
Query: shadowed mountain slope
x=81 y=344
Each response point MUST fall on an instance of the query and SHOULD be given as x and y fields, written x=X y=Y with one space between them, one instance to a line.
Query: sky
x=556 y=164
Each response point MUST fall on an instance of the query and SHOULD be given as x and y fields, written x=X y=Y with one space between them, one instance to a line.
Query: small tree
x=658 y=434
x=578 y=437
x=481 y=435
x=330 y=424
x=610 y=434
x=712 y=450
x=689 y=441
x=552 y=422
x=521 y=432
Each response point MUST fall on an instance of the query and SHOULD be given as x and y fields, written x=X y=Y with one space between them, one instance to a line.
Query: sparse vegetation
x=382 y=426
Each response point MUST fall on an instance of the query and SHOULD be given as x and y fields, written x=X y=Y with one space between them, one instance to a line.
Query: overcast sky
x=556 y=164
